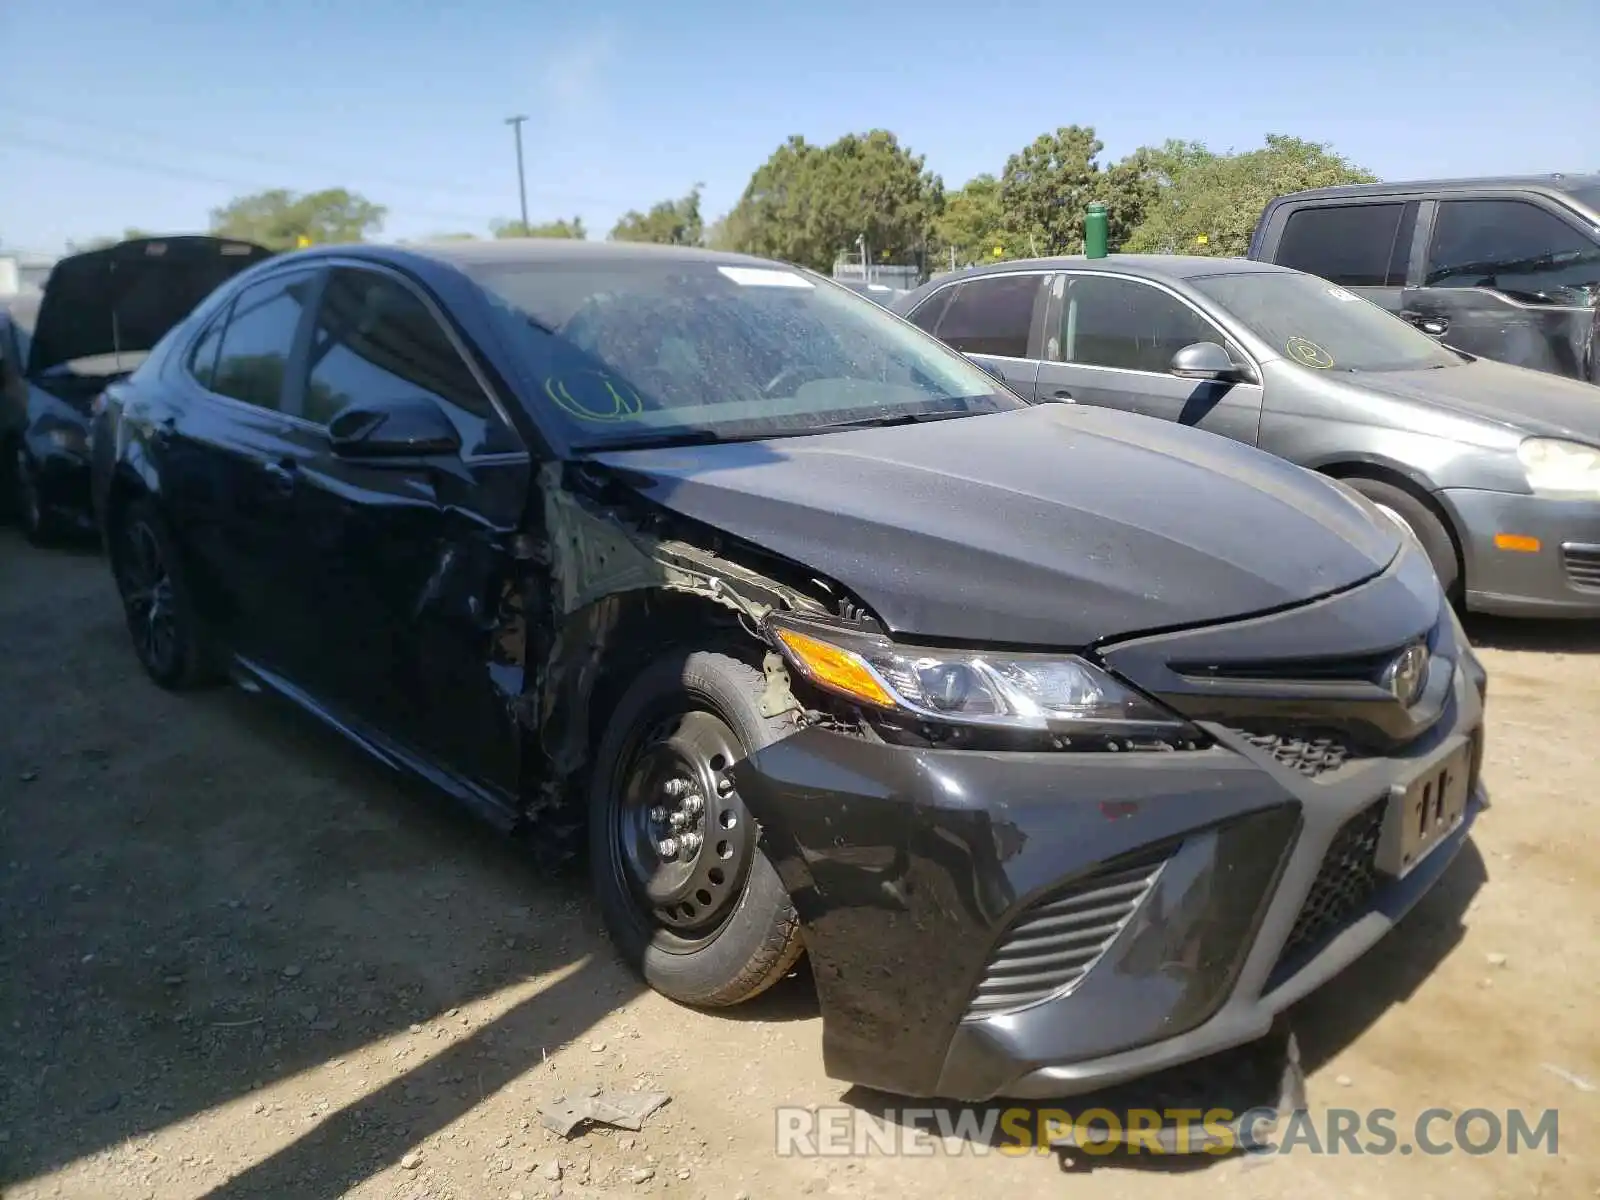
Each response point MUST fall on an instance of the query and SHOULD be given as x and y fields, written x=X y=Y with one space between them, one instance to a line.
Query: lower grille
x=1054 y=944
x=1309 y=753
x=1345 y=883
x=1583 y=566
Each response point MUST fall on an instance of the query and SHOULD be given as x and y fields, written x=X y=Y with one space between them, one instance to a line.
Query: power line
x=182 y=173
x=123 y=131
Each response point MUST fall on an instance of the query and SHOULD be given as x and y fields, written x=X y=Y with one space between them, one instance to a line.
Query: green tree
x=1048 y=185
x=972 y=226
x=280 y=219
x=1208 y=203
x=550 y=229
x=808 y=203
x=669 y=222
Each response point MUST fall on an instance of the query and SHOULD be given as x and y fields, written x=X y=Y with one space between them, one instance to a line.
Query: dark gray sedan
x=1495 y=469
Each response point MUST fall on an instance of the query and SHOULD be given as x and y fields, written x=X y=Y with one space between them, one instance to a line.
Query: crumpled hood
x=125 y=298
x=1535 y=402
x=1054 y=525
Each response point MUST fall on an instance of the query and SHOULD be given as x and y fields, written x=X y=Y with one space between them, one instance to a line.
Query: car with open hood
x=1495 y=469
x=1068 y=744
x=96 y=318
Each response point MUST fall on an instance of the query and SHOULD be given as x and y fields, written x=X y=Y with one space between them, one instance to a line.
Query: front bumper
x=912 y=870
x=1559 y=579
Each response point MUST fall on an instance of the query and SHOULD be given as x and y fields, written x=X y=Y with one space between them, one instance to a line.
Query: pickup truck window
x=1515 y=248
x=1355 y=245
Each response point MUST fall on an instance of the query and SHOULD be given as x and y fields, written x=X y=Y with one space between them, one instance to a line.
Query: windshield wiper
x=895 y=419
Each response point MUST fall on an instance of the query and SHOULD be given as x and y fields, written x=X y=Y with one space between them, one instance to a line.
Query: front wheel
x=1412 y=515
x=690 y=900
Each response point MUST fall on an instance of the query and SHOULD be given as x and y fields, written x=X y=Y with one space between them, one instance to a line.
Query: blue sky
x=151 y=114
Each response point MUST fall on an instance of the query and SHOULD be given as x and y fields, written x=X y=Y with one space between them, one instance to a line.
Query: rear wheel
x=689 y=898
x=26 y=501
x=1411 y=514
x=162 y=620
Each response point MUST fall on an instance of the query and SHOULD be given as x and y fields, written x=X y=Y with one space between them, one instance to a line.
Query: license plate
x=1425 y=812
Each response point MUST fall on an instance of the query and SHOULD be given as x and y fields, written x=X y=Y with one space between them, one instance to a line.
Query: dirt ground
x=238 y=959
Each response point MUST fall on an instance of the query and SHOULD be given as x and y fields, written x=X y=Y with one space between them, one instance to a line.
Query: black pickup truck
x=1504 y=268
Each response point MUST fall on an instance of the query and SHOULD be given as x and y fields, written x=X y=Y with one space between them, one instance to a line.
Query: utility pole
x=522 y=183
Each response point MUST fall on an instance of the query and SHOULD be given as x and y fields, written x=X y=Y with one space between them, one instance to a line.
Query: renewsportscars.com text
x=844 y=1132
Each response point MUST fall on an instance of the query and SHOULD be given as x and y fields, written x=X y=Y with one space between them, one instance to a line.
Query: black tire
x=1424 y=524
x=168 y=637
x=746 y=935
x=36 y=522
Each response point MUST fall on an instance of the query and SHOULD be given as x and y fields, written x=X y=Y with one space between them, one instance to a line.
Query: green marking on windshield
x=1308 y=353
x=593 y=396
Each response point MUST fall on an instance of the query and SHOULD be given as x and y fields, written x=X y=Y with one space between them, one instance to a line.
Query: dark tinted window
x=991 y=316
x=1110 y=322
x=375 y=340
x=1514 y=247
x=930 y=310
x=203 y=358
x=259 y=339
x=1349 y=244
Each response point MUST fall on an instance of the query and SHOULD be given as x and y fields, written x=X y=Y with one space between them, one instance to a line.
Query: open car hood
x=125 y=298
x=1059 y=525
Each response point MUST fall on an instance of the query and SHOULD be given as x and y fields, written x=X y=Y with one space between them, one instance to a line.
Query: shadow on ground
x=206 y=894
x=1539 y=637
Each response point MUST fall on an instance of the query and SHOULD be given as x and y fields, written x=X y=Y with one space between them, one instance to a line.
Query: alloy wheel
x=682 y=836
x=148 y=597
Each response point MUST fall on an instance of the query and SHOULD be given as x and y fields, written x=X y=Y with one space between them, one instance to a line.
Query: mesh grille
x=1310 y=753
x=1583 y=566
x=1054 y=944
x=1345 y=884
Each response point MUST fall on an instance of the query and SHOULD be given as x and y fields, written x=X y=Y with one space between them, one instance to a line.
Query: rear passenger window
x=203 y=358
x=927 y=314
x=1351 y=244
x=258 y=341
x=1514 y=247
x=991 y=315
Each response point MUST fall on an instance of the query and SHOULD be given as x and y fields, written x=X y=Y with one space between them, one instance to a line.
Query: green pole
x=1094 y=231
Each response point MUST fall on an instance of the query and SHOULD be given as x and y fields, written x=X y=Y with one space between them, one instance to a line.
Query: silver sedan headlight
x=1561 y=469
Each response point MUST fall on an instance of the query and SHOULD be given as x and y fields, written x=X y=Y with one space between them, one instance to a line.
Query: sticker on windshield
x=765 y=277
x=591 y=396
x=1338 y=293
x=1308 y=353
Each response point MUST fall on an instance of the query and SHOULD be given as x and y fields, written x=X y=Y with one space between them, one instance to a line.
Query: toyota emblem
x=1407 y=675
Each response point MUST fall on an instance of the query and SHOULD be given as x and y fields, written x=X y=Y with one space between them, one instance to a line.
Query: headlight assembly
x=1046 y=693
x=1559 y=468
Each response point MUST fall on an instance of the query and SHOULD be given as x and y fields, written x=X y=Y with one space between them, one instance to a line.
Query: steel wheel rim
x=148 y=597
x=681 y=839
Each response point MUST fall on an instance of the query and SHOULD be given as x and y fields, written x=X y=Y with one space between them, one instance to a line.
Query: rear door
x=1514 y=278
x=407 y=565
x=996 y=319
x=1111 y=344
x=1364 y=247
x=223 y=434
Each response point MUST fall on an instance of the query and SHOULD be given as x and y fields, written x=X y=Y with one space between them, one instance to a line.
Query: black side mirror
x=987 y=367
x=1203 y=360
x=403 y=428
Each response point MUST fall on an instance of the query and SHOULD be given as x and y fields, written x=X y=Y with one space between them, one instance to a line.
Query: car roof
x=1555 y=182
x=1148 y=266
x=463 y=253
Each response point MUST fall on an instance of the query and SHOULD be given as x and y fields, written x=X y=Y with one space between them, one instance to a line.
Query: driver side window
x=1127 y=325
x=375 y=341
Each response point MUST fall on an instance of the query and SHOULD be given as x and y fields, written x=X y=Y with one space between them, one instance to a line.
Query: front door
x=408 y=563
x=1111 y=343
x=1516 y=280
